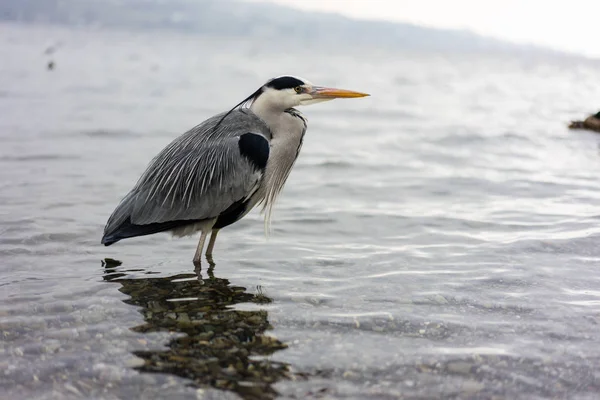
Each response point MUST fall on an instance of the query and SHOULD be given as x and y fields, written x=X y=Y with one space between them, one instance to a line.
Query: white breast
x=286 y=142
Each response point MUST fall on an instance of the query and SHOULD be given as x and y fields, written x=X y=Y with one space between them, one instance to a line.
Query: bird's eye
x=298 y=89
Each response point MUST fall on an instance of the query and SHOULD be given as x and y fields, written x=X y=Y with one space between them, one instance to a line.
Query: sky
x=572 y=25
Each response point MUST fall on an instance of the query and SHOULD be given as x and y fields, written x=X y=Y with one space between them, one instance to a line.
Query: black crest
x=284 y=82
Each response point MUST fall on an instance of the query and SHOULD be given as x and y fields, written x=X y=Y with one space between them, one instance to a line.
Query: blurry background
x=569 y=26
x=437 y=239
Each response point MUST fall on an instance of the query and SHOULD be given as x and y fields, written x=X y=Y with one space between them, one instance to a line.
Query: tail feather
x=128 y=230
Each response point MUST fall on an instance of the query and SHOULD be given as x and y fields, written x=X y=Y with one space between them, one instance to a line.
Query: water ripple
x=438 y=240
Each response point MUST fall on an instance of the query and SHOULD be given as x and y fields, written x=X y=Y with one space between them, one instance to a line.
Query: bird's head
x=287 y=91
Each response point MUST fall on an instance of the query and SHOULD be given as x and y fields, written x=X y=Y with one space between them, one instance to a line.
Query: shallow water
x=438 y=239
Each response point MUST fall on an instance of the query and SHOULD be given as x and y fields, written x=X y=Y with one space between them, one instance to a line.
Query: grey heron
x=214 y=174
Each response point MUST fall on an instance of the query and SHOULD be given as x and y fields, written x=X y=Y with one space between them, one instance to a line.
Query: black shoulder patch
x=255 y=148
x=284 y=82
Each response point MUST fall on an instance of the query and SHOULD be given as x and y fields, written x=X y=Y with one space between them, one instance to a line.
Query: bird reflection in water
x=221 y=345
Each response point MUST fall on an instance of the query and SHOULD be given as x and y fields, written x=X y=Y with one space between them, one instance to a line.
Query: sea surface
x=439 y=239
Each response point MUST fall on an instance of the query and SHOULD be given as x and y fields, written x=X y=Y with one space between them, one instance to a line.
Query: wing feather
x=197 y=176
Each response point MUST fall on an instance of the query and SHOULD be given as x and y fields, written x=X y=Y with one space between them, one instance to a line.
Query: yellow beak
x=319 y=92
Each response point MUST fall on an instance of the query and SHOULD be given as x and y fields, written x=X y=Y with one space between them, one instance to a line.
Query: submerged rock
x=591 y=123
x=220 y=346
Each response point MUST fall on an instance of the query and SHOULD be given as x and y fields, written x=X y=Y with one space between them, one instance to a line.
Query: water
x=438 y=239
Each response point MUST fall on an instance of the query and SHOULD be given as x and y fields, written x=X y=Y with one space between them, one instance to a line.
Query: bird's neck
x=271 y=114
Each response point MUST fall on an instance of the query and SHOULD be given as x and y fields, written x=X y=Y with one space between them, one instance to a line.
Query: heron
x=215 y=173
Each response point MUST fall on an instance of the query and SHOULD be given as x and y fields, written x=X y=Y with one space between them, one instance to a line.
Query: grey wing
x=196 y=184
x=198 y=176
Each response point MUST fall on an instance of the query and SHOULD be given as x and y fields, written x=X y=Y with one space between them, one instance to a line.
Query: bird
x=215 y=173
x=591 y=123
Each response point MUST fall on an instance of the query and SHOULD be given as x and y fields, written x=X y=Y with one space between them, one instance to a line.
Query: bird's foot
x=210 y=260
x=198 y=271
x=210 y=272
x=198 y=265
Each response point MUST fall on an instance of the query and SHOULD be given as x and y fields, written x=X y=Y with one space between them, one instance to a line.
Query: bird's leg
x=211 y=263
x=198 y=255
x=211 y=243
x=210 y=271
